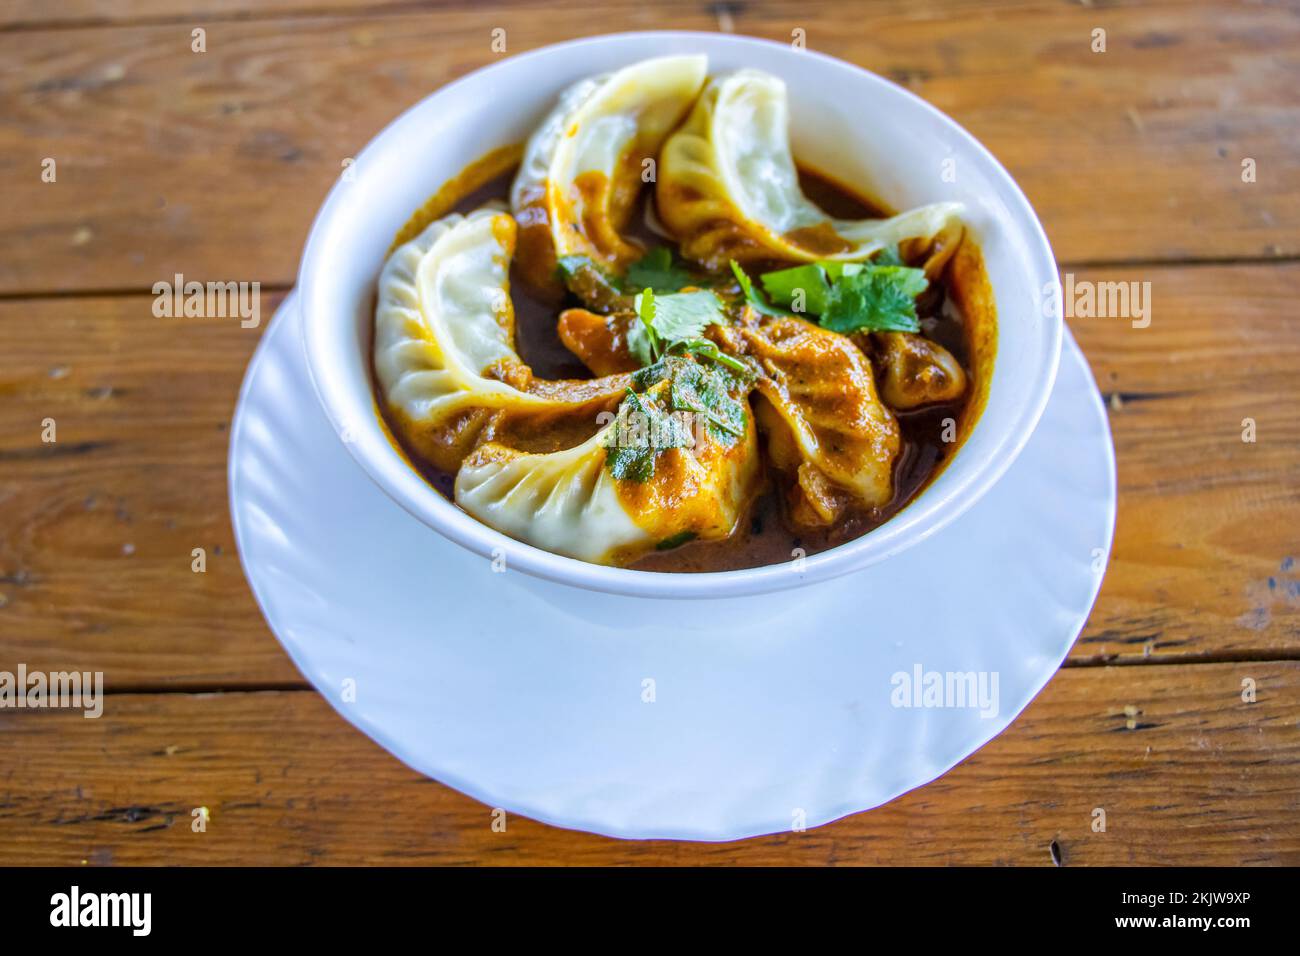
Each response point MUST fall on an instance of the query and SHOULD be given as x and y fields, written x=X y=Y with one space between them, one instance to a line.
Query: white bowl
x=847 y=122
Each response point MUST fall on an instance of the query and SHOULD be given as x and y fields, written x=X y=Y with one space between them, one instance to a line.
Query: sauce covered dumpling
x=584 y=167
x=444 y=340
x=643 y=479
x=729 y=188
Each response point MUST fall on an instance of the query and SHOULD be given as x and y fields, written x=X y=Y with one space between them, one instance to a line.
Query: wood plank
x=1186 y=772
x=38 y=14
x=1206 y=539
x=142 y=407
x=213 y=164
x=95 y=557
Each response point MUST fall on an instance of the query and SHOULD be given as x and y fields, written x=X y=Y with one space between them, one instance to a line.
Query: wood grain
x=1208 y=531
x=38 y=14
x=142 y=407
x=212 y=164
x=1161 y=750
x=99 y=527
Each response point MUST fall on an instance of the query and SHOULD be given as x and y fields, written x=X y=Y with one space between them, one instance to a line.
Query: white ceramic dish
x=531 y=696
x=869 y=132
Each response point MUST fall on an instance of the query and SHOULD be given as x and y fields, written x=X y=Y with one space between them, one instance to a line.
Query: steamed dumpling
x=571 y=502
x=444 y=340
x=728 y=186
x=826 y=426
x=917 y=371
x=564 y=501
x=602 y=342
x=582 y=168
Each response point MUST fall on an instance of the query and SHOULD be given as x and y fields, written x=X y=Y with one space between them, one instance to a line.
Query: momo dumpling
x=601 y=342
x=729 y=189
x=622 y=492
x=917 y=371
x=444 y=340
x=825 y=423
x=565 y=501
x=583 y=167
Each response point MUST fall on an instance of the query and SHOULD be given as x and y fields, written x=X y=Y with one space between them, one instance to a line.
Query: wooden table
x=212 y=164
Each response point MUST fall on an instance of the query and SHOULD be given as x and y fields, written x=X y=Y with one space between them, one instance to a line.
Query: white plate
x=768 y=712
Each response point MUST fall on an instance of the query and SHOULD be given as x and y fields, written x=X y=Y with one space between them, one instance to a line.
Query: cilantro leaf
x=642 y=339
x=641 y=431
x=570 y=266
x=875 y=299
x=657 y=270
x=629 y=464
x=590 y=282
x=644 y=378
x=888 y=256
x=836 y=269
x=752 y=295
x=676 y=540
x=669 y=319
x=599 y=288
x=853 y=296
x=705 y=348
x=682 y=315
x=812 y=280
x=703 y=390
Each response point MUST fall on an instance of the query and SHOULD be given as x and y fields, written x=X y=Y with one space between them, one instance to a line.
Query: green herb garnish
x=800 y=289
x=703 y=390
x=669 y=321
x=875 y=299
x=885 y=256
x=851 y=296
x=681 y=315
x=657 y=270
x=834 y=270
x=754 y=297
x=706 y=348
x=571 y=267
x=676 y=540
x=641 y=431
x=591 y=282
x=706 y=391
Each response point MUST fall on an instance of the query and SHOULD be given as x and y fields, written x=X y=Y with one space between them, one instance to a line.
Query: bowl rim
x=923 y=516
